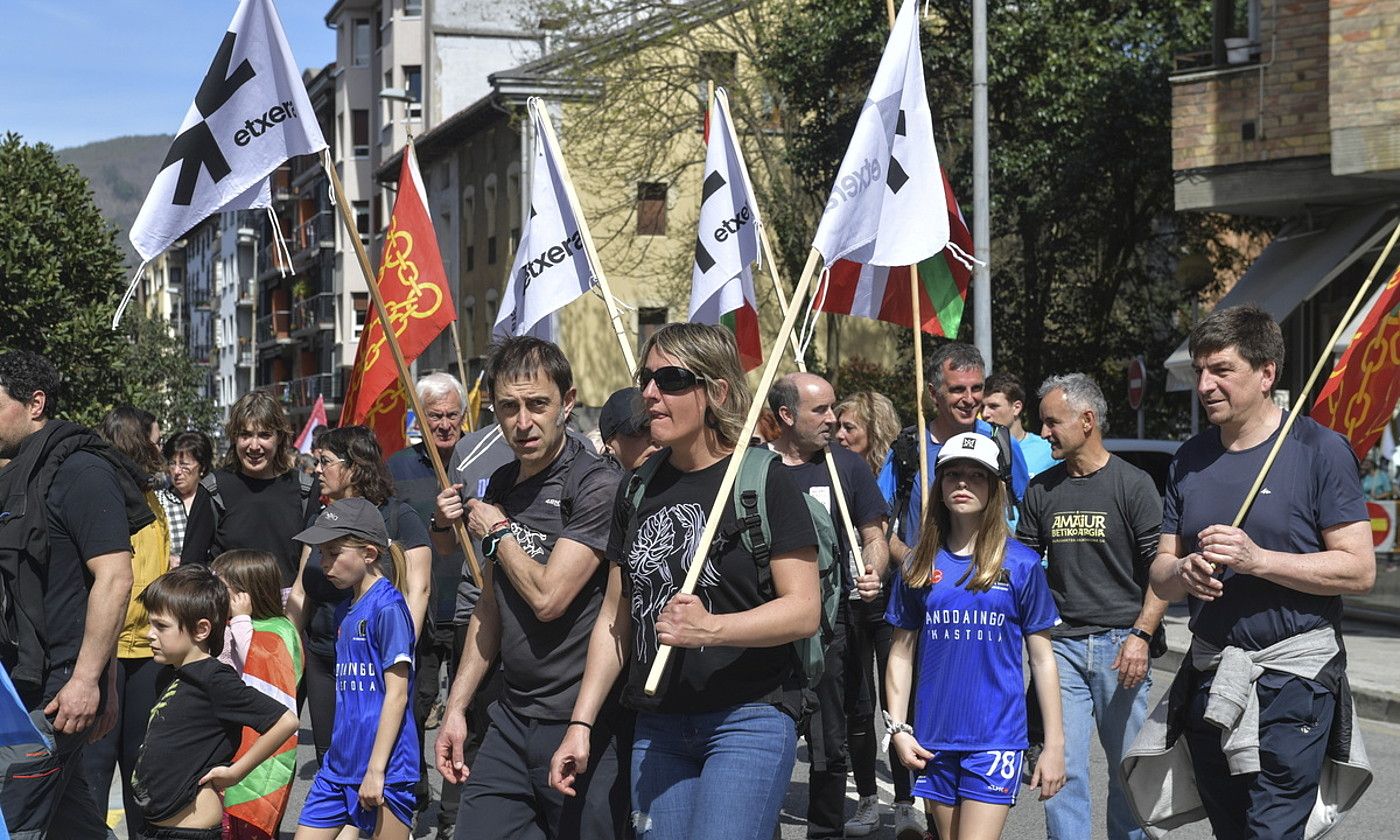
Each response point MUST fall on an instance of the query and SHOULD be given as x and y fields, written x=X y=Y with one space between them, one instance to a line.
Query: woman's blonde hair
x=988 y=551
x=876 y=413
x=710 y=352
x=392 y=562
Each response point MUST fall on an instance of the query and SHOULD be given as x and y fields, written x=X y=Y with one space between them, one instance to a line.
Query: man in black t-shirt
x=1274 y=584
x=58 y=641
x=1095 y=519
x=802 y=404
x=261 y=498
x=544 y=523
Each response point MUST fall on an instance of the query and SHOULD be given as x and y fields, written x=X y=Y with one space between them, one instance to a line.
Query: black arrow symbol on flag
x=196 y=147
x=897 y=177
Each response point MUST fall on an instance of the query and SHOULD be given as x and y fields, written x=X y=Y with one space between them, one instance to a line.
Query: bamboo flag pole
x=918 y=324
x=726 y=485
x=1361 y=295
x=347 y=216
x=614 y=315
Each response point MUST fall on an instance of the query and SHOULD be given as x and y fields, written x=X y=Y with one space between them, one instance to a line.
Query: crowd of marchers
x=170 y=612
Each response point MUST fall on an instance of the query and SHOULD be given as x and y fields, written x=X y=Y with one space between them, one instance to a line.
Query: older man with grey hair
x=1096 y=519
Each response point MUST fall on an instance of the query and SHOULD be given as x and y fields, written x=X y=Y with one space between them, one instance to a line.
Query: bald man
x=802 y=404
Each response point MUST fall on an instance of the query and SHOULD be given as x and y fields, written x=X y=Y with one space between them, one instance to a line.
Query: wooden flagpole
x=547 y=126
x=726 y=485
x=347 y=216
x=1361 y=295
x=918 y=324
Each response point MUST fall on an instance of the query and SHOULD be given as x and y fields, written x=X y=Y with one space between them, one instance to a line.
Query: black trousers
x=1295 y=721
x=136 y=695
x=320 y=696
x=869 y=640
x=826 y=740
x=507 y=795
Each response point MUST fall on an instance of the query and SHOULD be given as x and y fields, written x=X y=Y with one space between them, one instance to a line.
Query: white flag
x=551 y=268
x=887 y=205
x=250 y=115
x=726 y=246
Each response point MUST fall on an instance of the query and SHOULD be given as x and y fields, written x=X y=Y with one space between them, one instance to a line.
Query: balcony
x=272 y=261
x=245 y=352
x=316 y=232
x=274 y=328
x=247 y=292
x=315 y=313
x=302 y=393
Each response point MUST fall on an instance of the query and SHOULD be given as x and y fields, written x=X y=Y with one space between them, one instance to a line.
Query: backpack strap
x=210 y=482
x=306 y=482
x=637 y=482
x=906 y=466
x=751 y=511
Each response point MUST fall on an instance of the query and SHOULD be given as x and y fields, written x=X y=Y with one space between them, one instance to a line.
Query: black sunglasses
x=669 y=379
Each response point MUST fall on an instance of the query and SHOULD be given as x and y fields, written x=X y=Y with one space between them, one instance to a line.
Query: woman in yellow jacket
x=131 y=432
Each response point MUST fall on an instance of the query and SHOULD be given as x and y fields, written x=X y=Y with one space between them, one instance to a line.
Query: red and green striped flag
x=254 y=807
x=881 y=293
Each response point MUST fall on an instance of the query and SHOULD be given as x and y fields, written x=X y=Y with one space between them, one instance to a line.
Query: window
x=513 y=203
x=717 y=67
x=360 y=302
x=388 y=103
x=362 y=220
x=1235 y=25
x=491 y=197
x=469 y=226
x=359 y=132
x=651 y=209
x=412 y=8
x=413 y=86
x=359 y=42
x=649 y=320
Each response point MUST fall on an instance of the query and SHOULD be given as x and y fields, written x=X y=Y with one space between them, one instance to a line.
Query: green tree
x=1084 y=234
x=60 y=277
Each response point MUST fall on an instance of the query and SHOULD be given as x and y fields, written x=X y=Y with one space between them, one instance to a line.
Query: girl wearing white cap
x=977 y=596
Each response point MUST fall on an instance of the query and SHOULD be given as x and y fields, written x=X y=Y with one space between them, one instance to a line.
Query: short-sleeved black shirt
x=86 y=519
x=1313 y=485
x=195 y=726
x=863 y=497
x=542 y=662
x=405 y=527
x=263 y=514
x=654 y=563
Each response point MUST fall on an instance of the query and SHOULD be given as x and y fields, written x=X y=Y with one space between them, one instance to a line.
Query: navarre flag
x=419 y=305
x=887 y=206
x=314 y=422
x=255 y=806
x=552 y=267
x=727 y=246
x=250 y=114
x=1359 y=397
x=882 y=293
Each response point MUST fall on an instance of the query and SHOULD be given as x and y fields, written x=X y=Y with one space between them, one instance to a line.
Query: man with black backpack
x=544 y=523
x=802 y=405
x=70 y=506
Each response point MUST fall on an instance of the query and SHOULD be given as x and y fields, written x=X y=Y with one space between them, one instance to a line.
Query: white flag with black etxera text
x=887 y=206
x=552 y=267
x=727 y=245
x=250 y=115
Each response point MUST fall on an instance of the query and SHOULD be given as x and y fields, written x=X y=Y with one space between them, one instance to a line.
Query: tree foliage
x=60 y=276
x=1084 y=234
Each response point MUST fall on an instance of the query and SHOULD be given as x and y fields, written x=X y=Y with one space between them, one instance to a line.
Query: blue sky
x=75 y=71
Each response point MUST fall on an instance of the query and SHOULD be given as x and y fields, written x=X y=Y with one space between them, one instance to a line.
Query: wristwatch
x=492 y=541
x=1141 y=634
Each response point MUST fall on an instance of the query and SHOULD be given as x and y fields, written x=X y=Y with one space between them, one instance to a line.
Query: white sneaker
x=867 y=817
x=909 y=822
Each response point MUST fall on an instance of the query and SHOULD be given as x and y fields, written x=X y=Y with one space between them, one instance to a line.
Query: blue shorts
x=990 y=776
x=333 y=804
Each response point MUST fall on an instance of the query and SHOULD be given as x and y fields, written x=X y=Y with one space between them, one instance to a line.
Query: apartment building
x=1290 y=114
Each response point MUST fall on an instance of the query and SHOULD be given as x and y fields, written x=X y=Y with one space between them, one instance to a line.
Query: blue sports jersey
x=971 y=694
x=376 y=633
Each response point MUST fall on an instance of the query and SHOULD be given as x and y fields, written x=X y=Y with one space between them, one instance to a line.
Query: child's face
x=172 y=644
x=345 y=565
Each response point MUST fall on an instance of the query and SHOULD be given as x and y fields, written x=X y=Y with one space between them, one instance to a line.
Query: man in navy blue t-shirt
x=1273 y=585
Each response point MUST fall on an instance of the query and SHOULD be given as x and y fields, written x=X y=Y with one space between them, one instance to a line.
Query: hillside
x=120 y=171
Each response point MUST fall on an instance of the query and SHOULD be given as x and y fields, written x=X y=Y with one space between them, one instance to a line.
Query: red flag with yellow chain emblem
x=1360 y=395
x=419 y=304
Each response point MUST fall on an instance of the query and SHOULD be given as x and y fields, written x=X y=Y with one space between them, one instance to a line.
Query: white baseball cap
x=969 y=446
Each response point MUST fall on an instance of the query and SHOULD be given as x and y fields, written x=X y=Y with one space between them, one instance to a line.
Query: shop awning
x=1298 y=264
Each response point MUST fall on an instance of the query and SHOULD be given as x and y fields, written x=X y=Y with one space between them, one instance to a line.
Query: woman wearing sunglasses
x=715 y=746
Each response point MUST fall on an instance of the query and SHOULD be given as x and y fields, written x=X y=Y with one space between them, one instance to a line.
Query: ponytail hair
x=391 y=561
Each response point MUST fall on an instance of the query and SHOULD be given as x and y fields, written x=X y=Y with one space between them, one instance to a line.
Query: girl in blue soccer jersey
x=974 y=594
x=366 y=779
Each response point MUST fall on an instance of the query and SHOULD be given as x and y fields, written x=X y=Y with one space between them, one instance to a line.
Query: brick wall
x=1364 y=85
x=1285 y=96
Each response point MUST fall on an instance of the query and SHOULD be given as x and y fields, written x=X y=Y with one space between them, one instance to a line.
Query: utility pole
x=981 y=200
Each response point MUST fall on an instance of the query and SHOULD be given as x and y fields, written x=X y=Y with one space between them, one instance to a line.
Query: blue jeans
x=713 y=775
x=1089 y=693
